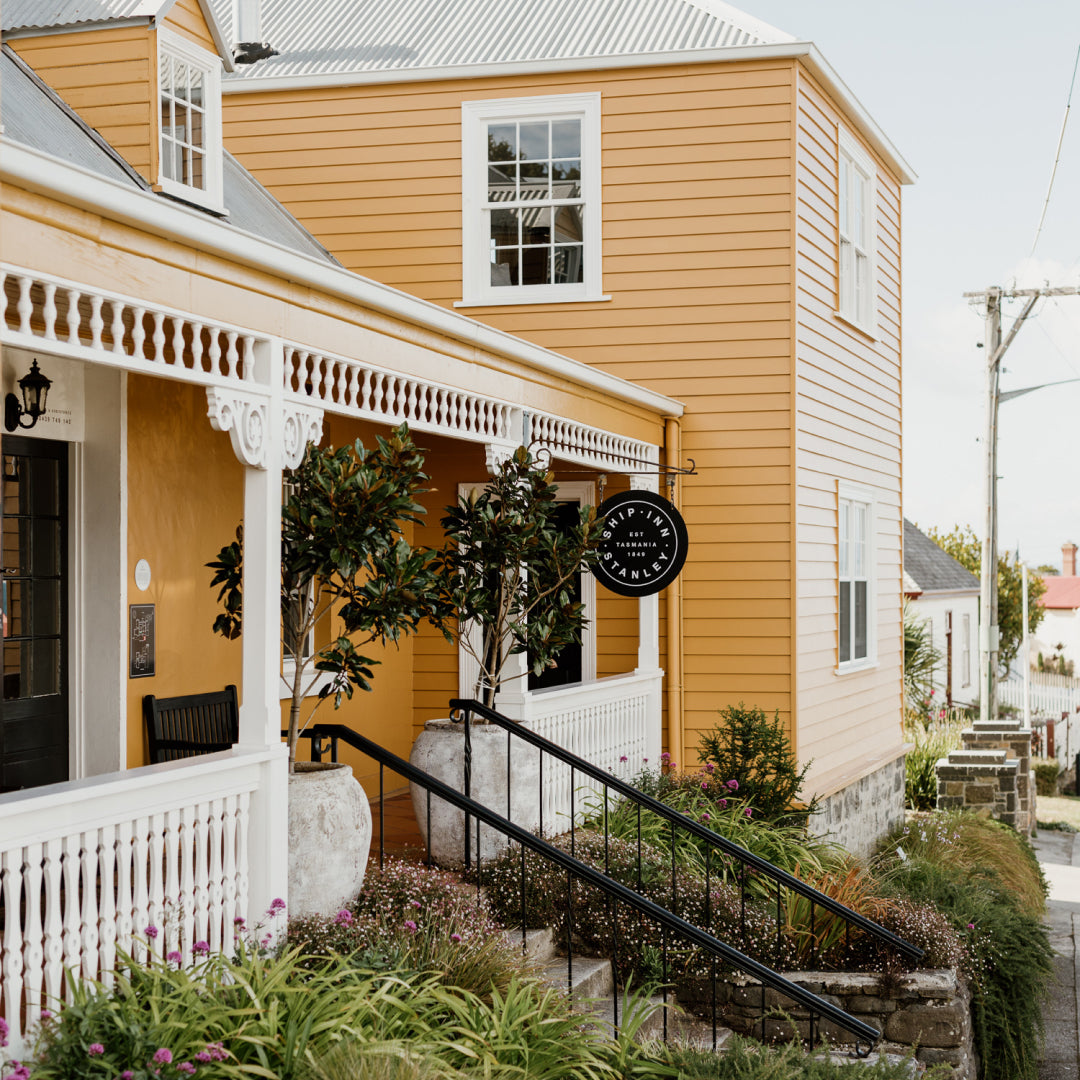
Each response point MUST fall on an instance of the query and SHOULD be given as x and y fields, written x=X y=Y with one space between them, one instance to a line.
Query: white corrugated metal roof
x=318 y=37
x=41 y=14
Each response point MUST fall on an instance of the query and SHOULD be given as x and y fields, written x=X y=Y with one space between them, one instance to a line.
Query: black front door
x=568 y=664
x=34 y=711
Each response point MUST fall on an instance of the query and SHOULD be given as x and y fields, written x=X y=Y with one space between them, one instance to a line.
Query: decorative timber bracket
x=245 y=416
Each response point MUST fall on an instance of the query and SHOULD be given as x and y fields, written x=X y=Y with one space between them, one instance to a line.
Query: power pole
x=989 y=634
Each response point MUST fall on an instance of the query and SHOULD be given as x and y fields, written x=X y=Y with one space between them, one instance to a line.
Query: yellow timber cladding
x=699 y=202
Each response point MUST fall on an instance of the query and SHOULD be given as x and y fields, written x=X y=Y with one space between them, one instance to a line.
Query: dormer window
x=189 y=81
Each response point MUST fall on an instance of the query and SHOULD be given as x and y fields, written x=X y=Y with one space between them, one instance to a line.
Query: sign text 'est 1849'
x=644 y=543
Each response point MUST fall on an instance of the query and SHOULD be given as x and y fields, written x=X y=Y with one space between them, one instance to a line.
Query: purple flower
x=162 y=1056
x=665 y=756
x=18 y=1071
x=186 y=1067
x=623 y=759
x=95 y=1050
x=175 y=957
x=706 y=816
x=673 y=764
x=645 y=760
x=127 y=1074
x=201 y=948
x=151 y=932
x=46 y=1014
x=709 y=767
x=704 y=785
x=203 y=1056
x=344 y=917
x=748 y=811
x=4 y=1030
x=410 y=926
x=723 y=804
x=455 y=938
x=971 y=926
x=276 y=905
x=733 y=785
x=415 y=903
x=216 y=1050
x=239 y=922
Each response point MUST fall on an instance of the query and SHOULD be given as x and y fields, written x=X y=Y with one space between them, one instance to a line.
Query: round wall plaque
x=142 y=575
x=644 y=543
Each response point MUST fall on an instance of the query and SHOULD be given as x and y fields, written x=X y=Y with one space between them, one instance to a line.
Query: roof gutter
x=805 y=51
x=28 y=168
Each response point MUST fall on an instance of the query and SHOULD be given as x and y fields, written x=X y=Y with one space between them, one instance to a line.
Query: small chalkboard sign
x=141 y=655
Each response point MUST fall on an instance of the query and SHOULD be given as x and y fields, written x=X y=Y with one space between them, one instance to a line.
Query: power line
x=1057 y=155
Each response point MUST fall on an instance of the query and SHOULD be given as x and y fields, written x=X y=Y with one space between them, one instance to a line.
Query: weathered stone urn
x=440 y=751
x=329 y=837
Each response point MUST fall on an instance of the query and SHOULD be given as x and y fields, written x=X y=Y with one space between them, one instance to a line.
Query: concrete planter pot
x=329 y=837
x=440 y=751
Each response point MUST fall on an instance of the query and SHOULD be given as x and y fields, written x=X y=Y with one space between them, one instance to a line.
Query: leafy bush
x=934 y=737
x=710 y=798
x=755 y=749
x=1046 y=772
x=983 y=877
x=413 y=918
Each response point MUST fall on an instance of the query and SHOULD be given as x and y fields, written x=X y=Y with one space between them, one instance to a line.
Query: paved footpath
x=1059 y=854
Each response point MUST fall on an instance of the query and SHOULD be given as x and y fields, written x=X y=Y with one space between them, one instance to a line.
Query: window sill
x=866 y=331
x=518 y=301
x=853 y=667
x=288 y=669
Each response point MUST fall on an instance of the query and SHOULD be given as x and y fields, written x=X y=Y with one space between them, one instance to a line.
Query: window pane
x=844 y=556
x=16 y=670
x=504 y=227
x=567 y=170
x=534 y=140
x=568 y=264
x=845 y=621
x=46 y=554
x=536 y=226
x=566 y=138
x=15 y=610
x=860 y=621
x=46 y=673
x=858 y=541
x=46 y=596
x=502 y=142
x=860 y=208
x=536 y=266
x=502 y=182
x=845 y=219
x=568 y=224
x=45 y=486
x=504 y=267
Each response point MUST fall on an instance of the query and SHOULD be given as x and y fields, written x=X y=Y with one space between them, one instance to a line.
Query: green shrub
x=1047 y=771
x=933 y=738
x=982 y=877
x=756 y=751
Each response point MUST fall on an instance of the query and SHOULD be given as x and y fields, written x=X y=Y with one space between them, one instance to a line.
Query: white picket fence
x=1055 y=700
x=87 y=866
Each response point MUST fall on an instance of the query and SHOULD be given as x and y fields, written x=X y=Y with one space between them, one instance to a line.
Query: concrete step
x=592 y=977
x=539 y=944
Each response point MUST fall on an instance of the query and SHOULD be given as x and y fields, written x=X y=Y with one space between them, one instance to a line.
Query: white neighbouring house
x=945 y=595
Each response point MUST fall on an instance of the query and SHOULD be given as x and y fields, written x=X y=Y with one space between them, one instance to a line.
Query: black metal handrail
x=627 y=791
x=864 y=1034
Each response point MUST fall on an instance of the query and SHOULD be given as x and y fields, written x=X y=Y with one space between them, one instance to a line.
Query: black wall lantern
x=35 y=388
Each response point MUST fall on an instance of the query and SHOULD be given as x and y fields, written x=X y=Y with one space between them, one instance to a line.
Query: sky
x=972 y=95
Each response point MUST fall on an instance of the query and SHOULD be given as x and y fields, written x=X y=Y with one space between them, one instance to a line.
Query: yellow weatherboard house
x=665 y=242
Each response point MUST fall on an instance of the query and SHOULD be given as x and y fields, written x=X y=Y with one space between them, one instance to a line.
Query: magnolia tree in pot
x=507 y=574
x=345 y=563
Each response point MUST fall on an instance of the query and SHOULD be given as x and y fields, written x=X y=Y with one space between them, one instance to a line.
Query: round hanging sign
x=644 y=543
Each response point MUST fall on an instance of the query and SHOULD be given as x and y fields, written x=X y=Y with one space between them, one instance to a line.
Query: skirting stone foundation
x=991 y=775
x=857 y=816
x=928 y=1011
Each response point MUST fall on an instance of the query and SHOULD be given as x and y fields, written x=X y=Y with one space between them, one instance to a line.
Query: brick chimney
x=1068 y=559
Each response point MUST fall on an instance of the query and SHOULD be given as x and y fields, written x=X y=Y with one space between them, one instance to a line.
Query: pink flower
x=344 y=917
x=186 y=1067
x=645 y=760
x=673 y=764
x=4 y=1031
x=276 y=905
x=217 y=1051
x=162 y=1056
x=623 y=759
x=455 y=938
x=152 y=932
x=201 y=948
x=18 y=1071
x=415 y=904
x=971 y=926
x=95 y=1050
x=127 y=1074
x=709 y=767
x=410 y=926
x=203 y=1056
x=748 y=811
x=733 y=785
x=706 y=816
x=175 y=957
x=665 y=756
x=46 y=1014
x=239 y=922
x=704 y=785
x=723 y=804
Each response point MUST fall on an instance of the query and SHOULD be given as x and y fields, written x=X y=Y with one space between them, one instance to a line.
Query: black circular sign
x=643 y=546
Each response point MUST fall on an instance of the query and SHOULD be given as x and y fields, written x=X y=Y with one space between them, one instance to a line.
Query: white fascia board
x=50 y=176
x=806 y=51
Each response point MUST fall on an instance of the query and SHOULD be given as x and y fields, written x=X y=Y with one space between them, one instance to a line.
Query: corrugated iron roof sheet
x=317 y=37
x=36 y=117
x=1061 y=592
x=39 y=14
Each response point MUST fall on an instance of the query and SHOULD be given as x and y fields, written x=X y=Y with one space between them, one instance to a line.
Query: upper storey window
x=858 y=200
x=189 y=81
x=531 y=199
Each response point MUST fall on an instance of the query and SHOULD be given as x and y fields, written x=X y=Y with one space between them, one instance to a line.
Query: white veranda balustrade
x=612 y=723
x=87 y=866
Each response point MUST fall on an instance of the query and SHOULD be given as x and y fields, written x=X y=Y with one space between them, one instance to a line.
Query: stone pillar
x=980 y=780
x=1015 y=740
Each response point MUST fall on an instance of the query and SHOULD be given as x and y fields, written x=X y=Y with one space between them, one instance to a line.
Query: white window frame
x=965 y=650
x=476 y=256
x=211 y=196
x=856 y=274
x=582 y=492
x=849 y=498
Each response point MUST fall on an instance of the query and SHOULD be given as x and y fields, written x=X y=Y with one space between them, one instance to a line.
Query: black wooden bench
x=182 y=727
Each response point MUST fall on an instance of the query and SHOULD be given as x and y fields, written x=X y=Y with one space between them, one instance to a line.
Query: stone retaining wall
x=858 y=816
x=928 y=1011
